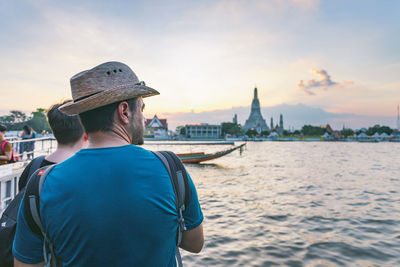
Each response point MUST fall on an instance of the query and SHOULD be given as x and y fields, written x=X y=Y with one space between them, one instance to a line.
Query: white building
x=203 y=131
x=157 y=128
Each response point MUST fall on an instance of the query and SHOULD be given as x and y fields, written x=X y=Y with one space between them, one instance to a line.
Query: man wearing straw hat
x=113 y=203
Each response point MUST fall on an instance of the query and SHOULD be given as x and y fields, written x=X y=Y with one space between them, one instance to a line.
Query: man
x=113 y=203
x=5 y=147
x=69 y=135
x=28 y=147
x=70 y=138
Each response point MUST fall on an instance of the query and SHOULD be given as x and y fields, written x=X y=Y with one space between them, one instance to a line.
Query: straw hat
x=105 y=84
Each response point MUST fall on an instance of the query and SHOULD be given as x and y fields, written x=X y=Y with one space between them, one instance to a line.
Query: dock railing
x=9 y=177
x=42 y=145
x=10 y=173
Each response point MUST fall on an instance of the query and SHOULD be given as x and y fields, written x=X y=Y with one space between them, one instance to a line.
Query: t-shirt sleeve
x=193 y=215
x=27 y=247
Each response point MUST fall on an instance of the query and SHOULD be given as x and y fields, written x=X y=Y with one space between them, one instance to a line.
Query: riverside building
x=156 y=128
x=203 y=131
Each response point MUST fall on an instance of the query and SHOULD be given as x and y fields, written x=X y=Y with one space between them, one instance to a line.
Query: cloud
x=324 y=82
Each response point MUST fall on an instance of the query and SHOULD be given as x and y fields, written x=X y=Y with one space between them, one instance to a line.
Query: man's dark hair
x=66 y=129
x=3 y=128
x=102 y=118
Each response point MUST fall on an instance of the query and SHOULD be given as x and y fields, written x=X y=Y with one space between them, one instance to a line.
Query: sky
x=339 y=56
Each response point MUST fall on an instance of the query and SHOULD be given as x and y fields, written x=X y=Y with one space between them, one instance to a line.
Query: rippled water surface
x=299 y=204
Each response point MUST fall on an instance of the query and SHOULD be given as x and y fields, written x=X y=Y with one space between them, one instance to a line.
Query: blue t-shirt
x=108 y=207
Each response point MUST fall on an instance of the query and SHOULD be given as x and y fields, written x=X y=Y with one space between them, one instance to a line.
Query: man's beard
x=140 y=141
x=137 y=136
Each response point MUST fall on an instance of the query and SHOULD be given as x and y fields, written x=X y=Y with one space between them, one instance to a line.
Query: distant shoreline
x=305 y=139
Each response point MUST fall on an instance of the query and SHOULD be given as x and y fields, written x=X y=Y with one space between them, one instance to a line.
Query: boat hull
x=201 y=156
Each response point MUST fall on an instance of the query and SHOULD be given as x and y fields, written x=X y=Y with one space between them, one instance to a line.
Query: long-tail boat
x=201 y=156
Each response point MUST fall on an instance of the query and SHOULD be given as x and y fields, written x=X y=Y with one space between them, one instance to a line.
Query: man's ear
x=124 y=113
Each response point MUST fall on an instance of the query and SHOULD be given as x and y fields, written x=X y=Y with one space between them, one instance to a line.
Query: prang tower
x=255 y=120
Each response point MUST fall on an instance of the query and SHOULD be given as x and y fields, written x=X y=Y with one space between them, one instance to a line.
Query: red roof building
x=157 y=128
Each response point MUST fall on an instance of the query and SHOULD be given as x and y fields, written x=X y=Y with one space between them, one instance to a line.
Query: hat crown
x=104 y=77
x=105 y=84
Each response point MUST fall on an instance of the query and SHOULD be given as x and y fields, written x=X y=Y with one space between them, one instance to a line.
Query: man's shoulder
x=109 y=155
x=135 y=151
x=25 y=172
x=138 y=149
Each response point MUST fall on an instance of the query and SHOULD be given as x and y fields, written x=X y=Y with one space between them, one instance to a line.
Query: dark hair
x=3 y=128
x=66 y=129
x=102 y=118
x=27 y=129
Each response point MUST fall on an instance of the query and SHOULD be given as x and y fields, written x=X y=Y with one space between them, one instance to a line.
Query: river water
x=299 y=204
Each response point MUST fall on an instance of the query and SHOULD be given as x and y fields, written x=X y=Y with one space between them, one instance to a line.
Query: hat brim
x=107 y=97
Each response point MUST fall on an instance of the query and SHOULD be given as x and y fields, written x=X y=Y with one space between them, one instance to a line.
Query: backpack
x=180 y=184
x=8 y=221
x=14 y=158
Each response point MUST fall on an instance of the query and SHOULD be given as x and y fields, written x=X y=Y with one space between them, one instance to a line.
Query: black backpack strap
x=178 y=175
x=8 y=221
x=36 y=162
x=32 y=212
x=32 y=199
x=180 y=183
x=183 y=180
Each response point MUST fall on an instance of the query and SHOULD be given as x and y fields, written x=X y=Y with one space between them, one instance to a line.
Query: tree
x=15 y=120
x=7 y=120
x=251 y=133
x=181 y=130
x=310 y=130
x=379 y=129
x=264 y=133
x=285 y=133
x=386 y=129
x=18 y=116
x=347 y=132
x=38 y=121
x=231 y=128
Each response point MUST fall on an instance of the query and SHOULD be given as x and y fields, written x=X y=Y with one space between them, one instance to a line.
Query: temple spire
x=255 y=120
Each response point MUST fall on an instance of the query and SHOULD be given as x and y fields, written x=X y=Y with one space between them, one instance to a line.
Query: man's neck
x=106 y=139
x=63 y=152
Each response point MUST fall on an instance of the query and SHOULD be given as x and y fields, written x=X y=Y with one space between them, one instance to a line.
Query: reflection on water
x=206 y=165
x=299 y=204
